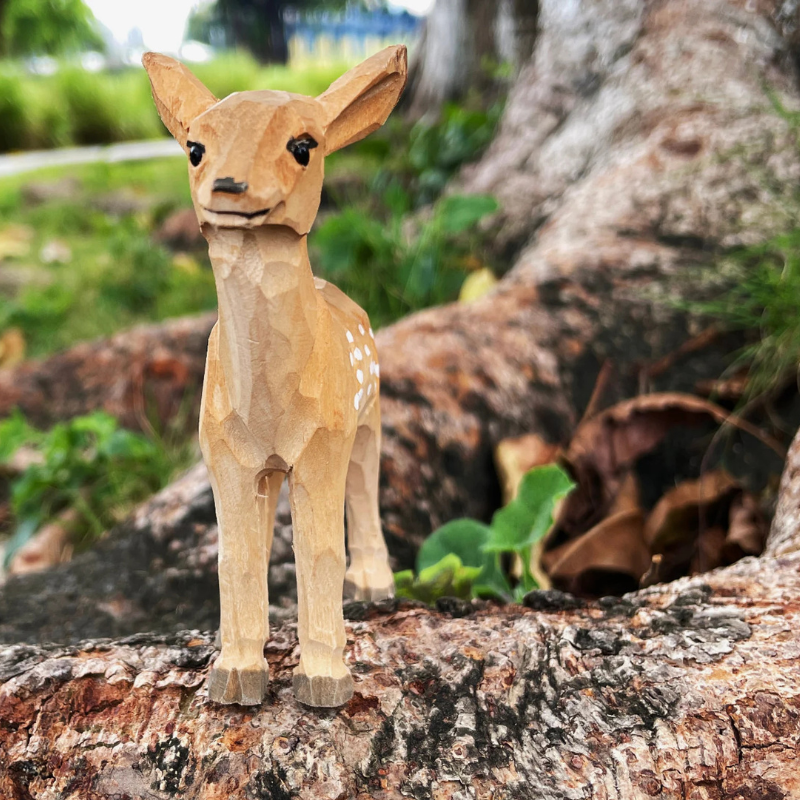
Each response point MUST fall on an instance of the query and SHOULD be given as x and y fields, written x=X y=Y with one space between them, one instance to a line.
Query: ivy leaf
x=466 y=539
x=463 y=537
x=527 y=518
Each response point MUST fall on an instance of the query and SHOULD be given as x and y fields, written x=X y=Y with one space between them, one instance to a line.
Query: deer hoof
x=352 y=591
x=322 y=691
x=247 y=687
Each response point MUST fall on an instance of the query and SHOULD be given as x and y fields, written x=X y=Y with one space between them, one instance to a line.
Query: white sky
x=162 y=22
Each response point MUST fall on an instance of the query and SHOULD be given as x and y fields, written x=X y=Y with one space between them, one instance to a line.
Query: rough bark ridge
x=149 y=371
x=687 y=690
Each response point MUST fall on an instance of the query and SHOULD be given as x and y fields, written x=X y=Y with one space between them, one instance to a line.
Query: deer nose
x=229 y=186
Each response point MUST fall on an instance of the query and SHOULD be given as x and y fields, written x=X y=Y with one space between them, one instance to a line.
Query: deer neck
x=268 y=308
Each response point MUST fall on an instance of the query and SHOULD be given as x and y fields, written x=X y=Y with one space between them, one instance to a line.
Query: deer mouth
x=243 y=214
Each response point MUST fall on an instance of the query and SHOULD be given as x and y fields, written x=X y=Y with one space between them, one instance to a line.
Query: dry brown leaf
x=514 y=457
x=747 y=528
x=610 y=558
x=12 y=347
x=605 y=447
x=689 y=527
x=682 y=510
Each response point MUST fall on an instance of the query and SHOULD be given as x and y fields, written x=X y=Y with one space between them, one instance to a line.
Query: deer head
x=256 y=158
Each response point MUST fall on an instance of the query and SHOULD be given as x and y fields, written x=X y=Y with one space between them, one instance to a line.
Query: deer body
x=292 y=377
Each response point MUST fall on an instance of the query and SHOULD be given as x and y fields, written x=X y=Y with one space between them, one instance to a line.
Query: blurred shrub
x=13 y=118
x=382 y=250
x=47 y=27
x=88 y=464
x=428 y=154
x=89 y=105
x=74 y=106
x=391 y=270
x=230 y=72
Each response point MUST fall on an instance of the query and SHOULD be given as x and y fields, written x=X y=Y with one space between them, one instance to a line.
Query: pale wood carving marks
x=292 y=377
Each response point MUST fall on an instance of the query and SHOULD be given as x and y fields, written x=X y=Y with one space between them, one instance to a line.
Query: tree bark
x=686 y=690
x=144 y=376
x=460 y=42
x=638 y=147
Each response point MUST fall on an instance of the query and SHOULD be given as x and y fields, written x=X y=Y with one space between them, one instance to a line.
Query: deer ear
x=359 y=102
x=180 y=97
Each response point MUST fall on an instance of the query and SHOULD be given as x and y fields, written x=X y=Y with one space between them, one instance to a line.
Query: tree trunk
x=686 y=690
x=462 y=41
x=143 y=376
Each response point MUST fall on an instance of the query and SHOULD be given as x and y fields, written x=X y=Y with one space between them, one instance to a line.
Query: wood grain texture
x=292 y=373
x=688 y=690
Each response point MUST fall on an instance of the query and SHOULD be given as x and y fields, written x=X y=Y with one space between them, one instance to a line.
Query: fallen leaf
x=605 y=447
x=476 y=285
x=514 y=457
x=747 y=528
x=15 y=241
x=609 y=559
x=690 y=525
x=680 y=511
x=12 y=347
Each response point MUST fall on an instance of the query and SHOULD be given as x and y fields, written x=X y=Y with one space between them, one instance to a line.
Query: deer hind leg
x=316 y=486
x=369 y=576
x=240 y=674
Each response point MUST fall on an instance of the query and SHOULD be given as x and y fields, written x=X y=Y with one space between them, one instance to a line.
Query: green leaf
x=446 y=578
x=15 y=432
x=466 y=538
x=463 y=537
x=528 y=517
x=458 y=213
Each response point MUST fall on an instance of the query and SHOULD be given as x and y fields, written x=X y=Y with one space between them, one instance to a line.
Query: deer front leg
x=240 y=674
x=369 y=576
x=316 y=486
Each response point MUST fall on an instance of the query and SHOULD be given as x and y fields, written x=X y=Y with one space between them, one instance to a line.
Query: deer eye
x=300 y=148
x=196 y=151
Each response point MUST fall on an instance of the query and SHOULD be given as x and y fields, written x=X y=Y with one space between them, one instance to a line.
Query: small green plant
x=762 y=294
x=464 y=558
x=428 y=154
x=390 y=272
x=88 y=464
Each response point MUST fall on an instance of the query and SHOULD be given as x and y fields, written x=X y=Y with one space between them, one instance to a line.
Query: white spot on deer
x=352 y=360
x=357 y=398
x=377 y=370
x=361 y=329
x=369 y=390
x=371 y=333
x=360 y=376
x=350 y=337
x=357 y=354
x=367 y=350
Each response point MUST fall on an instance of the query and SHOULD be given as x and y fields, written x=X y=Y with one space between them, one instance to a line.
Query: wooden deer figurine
x=292 y=375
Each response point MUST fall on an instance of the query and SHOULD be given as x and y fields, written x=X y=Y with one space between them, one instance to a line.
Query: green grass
x=88 y=465
x=117 y=275
x=75 y=107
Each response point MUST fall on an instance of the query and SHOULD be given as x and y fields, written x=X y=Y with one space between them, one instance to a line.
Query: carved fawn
x=292 y=376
